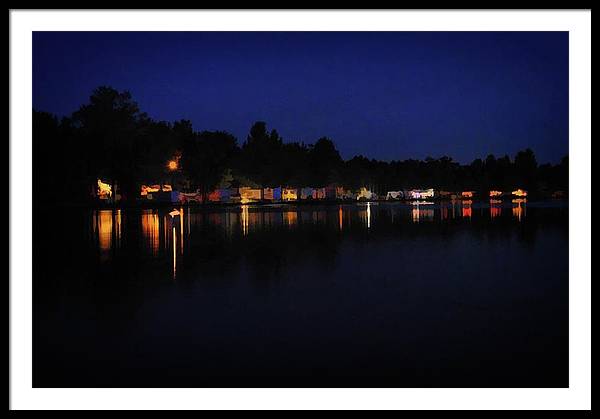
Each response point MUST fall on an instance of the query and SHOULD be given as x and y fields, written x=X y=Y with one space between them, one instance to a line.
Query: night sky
x=386 y=95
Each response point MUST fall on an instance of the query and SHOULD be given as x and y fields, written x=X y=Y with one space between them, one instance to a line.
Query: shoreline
x=266 y=204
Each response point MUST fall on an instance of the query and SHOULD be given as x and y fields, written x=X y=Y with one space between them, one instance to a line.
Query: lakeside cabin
x=520 y=193
x=165 y=194
x=160 y=193
x=248 y=194
x=496 y=194
x=365 y=194
x=394 y=195
x=104 y=191
x=272 y=194
x=421 y=194
x=289 y=194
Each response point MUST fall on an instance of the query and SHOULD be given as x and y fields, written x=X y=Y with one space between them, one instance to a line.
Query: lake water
x=385 y=295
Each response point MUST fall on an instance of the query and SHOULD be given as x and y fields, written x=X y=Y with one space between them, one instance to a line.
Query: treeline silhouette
x=112 y=139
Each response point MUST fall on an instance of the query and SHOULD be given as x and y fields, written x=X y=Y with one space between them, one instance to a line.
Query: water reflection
x=419 y=213
x=174 y=253
x=212 y=295
x=290 y=218
x=181 y=227
x=444 y=212
x=519 y=211
x=467 y=210
x=495 y=208
x=245 y=221
x=106 y=225
x=150 y=230
x=163 y=232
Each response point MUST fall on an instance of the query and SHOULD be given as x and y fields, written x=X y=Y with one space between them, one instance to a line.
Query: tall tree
x=108 y=126
x=325 y=162
x=206 y=158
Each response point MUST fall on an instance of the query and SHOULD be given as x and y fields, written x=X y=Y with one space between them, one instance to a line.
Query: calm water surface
x=444 y=295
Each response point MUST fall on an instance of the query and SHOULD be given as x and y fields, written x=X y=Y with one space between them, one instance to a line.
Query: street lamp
x=172 y=165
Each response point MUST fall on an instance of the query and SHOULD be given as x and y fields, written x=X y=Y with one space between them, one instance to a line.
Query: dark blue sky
x=386 y=95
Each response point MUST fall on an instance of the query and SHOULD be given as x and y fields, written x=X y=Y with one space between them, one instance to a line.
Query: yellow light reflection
x=368 y=215
x=495 y=208
x=181 y=227
x=118 y=229
x=415 y=214
x=340 y=218
x=174 y=253
x=105 y=228
x=150 y=230
x=290 y=218
x=520 y=210
x=419 y=213
x=245 y=220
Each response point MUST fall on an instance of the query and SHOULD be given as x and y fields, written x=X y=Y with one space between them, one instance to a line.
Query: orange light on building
x=172 y=165
x=519 y=192
x=495 y=194
x=104 y=190
x=467 y=194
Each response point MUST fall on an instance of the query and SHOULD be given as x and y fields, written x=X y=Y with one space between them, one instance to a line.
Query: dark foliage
x=111 y=139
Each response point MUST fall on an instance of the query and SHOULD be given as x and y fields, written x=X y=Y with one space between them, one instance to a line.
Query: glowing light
x=467 y=194
x=467 y=211
x=145 y=190
x=415 y=215
x=289 y=194
x=290 y=218
x=421 y=194
x=365 y=194
x=520 y=192
x=172 y=165
x=340 y=218
x=150 y=230
x=104 y=190
x=105 y=229
x=495 y=194
x=368 y=215
x=174 y=254
x=495 y=210
x=249 y=195
x=181 y=227
x=519 y=210
x=419 y=213
x=245 y=220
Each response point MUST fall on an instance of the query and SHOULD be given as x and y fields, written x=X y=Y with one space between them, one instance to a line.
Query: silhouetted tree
x=108 y=125
x=260 y=155
x=206 y=158
x=525 y=168
x=111 y=139
x=324 y=163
